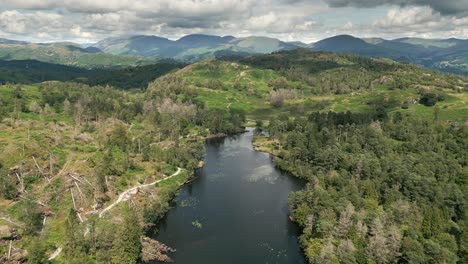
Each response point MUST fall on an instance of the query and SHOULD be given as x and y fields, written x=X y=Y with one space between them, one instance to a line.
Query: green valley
x=382 y=146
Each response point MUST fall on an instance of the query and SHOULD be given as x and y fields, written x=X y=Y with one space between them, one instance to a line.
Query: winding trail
x=122 y=198
x=128 y=193
x=55 y=254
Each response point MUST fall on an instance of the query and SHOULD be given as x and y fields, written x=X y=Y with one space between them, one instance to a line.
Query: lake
x=235 y=211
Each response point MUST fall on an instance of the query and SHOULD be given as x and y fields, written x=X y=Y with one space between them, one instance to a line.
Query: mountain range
x=450 y=55
x=191 y=47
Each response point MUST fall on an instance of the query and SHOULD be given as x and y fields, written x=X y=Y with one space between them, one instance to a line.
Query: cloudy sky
x=86 y=21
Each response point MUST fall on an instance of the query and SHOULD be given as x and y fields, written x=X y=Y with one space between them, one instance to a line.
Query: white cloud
x=306 y=20
x=12 y=21
x=422 y=22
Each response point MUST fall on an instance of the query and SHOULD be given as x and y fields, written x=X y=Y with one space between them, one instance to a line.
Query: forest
x=68 y=149
x=381 y=189
x=132 y=77
x=382 y=146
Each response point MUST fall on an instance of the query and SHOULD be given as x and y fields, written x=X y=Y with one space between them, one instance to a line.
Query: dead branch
x=79 y=191
x=21 y=181
x=73 y=199
x=69 y=174
x=37 y=165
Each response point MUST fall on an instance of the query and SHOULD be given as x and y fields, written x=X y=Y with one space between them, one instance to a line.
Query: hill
x=346 y=43
x=71 y=55
x=380 y=143
x=372 y=156
x=191 y=47
x=9 y=41
x=442 y=54
x=31 y=71
x=449 y=55
x=305 y=81
x=70 y=152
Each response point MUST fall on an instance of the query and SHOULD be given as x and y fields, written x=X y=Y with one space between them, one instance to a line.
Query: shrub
x=428 y=99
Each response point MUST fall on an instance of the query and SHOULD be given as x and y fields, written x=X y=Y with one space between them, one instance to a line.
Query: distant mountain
x=147 y=46
x=263 y=44
x=9 y=41
x=68 y=54
x=449 y=55
x=428 y=43
x=443 y=54
x=191 y=47
x=199 y=40
x=33 y=71
x=346 y=43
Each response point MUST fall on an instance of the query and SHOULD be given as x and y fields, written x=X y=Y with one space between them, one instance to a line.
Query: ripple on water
x=215 y=176
x=230 y=153
x=263 y=173
x=233 y=213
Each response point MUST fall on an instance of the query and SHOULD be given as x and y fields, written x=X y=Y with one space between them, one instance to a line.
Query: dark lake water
x=235 y=211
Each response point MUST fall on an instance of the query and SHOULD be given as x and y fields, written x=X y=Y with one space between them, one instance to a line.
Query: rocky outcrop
x=154 y=250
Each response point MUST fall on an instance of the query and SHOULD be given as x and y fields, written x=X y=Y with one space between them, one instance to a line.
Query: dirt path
x=128 y=193
x=122 y=198
x=55 y=254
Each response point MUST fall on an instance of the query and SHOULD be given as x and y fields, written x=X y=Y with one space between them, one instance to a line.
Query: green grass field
x=222 y=85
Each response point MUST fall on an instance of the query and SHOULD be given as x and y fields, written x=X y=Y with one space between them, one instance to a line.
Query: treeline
x=331 y=73
x=380 y=191
x=31 y=71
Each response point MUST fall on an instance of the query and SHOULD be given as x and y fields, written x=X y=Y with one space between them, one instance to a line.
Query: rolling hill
x=69 y=151
x=448 y=55
x=325 y=81
x=68 y=54
x=191 y=47
x=345 y=43
x=32 y=71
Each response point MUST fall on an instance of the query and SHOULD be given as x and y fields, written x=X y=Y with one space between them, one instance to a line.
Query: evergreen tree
x=73 y=247
x=127 y=244
x=36 y=251
x=31 y=216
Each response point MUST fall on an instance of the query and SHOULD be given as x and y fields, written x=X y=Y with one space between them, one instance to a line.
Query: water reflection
x=235 y=211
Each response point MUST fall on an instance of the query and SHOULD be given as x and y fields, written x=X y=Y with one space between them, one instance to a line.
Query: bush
x=428 y=99
x=278 y=97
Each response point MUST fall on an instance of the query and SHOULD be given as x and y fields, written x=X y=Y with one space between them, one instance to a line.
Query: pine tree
x=31 y=216
x=73 y=247
x=36 y=252
x=127 y=245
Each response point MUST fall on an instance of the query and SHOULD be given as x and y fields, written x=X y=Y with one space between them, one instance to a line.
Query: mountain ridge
x=449 y=55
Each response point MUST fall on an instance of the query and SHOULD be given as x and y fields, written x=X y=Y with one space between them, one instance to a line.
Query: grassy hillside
x=382 y=145
x=320 y=81
x=69 y=150
x=67 y=55
x=384 y=154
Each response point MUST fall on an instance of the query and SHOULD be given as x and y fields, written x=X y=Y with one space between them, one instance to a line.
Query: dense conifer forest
x=380 y=189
